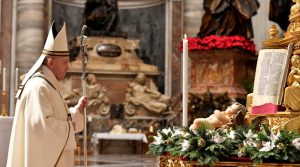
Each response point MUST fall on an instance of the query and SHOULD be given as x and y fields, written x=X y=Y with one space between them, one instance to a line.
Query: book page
x=270 y=76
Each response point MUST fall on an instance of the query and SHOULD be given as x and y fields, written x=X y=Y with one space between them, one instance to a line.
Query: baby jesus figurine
x=232 y=116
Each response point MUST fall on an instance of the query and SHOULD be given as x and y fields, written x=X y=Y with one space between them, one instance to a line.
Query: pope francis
x=43 y=132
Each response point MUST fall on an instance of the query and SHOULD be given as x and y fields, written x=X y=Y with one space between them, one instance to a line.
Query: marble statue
x=228 y=17
x=97 y=95
x=101 y=18
x=138 y=94
x=98 y=99
x=292 y=91
x=233 y=115
x=72 y=96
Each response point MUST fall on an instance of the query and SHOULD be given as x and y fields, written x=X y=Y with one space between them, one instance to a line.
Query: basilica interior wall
x=25 y=26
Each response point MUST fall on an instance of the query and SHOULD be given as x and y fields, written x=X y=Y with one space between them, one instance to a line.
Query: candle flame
x=185 y=36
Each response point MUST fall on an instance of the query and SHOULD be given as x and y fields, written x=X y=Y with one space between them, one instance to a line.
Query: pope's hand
x=82 y=103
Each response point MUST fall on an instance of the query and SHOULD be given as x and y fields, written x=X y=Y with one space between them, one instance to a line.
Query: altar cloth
x=122 y=136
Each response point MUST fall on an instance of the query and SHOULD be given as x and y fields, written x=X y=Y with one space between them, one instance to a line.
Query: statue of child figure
x=232 y=116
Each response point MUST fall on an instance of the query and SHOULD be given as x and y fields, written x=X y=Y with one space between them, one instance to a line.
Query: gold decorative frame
x=167 y=161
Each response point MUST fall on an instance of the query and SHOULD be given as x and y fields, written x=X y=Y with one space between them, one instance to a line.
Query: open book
x=270 y=80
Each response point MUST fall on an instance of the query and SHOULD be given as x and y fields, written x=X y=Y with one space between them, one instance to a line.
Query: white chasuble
x=41 y=132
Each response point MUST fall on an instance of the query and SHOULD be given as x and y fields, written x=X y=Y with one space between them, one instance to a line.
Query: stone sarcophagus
x=221 y=70
x=114 y=63
x=113 y=55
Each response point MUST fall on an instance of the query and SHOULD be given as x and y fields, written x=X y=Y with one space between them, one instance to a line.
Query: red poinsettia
x=219 y=42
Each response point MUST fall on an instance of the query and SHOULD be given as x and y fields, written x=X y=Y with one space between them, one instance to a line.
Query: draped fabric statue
x=97 y=95
x=228 y=17
x=101 y=18
x=138 y=94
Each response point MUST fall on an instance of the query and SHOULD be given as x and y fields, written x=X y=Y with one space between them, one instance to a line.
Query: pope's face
x=60 y=66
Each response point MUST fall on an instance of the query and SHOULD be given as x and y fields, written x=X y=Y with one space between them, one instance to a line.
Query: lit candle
x=185 y=82
x=151 y=128
x=17 y=79
x=4 y=80
x=89 y=118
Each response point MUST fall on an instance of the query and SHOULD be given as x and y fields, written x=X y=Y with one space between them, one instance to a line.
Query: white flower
x=274 y=137
x=248 y=134
x=185 y=134
x=249 y=142
x=267 y=146
x=296 y=143
x=185 y=145
x=218 y=139
x=179 y=132
x=194 y=131
x=210 y=131
x=231 y=135
x=167 y=131
x=158 y=140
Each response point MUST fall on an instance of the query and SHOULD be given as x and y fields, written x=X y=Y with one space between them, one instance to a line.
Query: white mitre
x=55 y=45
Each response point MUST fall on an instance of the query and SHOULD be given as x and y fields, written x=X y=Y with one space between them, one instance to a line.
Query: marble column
x=193 y=12
x=30 y=33
x=5 y=46
x=176 y=29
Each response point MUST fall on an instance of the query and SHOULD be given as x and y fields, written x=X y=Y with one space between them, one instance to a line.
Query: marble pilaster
x=177 y=35
x=29 y=33
x=193 y=12
x=6 y=40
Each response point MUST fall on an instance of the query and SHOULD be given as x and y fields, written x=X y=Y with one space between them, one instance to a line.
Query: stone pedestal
x=222 y=70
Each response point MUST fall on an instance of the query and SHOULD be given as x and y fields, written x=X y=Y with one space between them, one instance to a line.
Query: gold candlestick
x=4 y=111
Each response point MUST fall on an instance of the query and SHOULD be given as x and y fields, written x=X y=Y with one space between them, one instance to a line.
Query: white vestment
x=40 y=131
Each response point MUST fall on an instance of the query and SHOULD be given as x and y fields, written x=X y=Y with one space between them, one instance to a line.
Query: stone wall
x=139 y=23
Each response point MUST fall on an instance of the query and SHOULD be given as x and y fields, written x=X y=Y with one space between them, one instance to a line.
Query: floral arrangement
x=220 y=42
x=204 y=145
x=283 y=146
x=208 y=146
